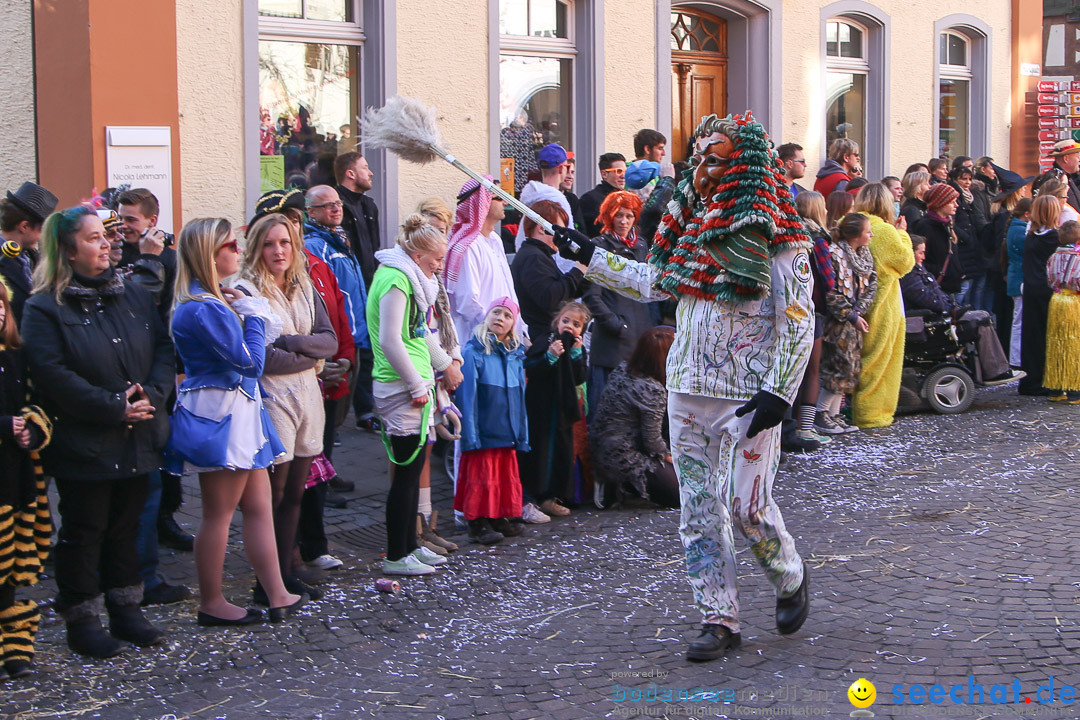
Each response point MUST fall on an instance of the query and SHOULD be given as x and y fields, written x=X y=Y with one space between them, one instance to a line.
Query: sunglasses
x=231 y=245
x=614 y=171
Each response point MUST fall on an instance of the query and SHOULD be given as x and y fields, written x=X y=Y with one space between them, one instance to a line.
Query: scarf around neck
x=425 y=289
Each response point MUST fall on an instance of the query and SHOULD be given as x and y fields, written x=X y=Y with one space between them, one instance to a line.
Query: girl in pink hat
x=491 y=398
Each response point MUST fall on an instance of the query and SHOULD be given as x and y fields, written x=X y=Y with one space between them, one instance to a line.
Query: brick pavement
x=940 y=548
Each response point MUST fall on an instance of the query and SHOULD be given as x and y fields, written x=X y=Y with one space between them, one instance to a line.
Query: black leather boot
x=126 y=619
x=480 y=531
x=170 y=534
x=714 y=642
x=791 y=611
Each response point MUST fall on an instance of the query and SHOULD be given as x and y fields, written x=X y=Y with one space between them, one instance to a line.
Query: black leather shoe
x=714 y=642
x=208 y=620
x=333 y=500
x=336 y=483
x=791 y=611
x=171 y=535
x=278 y=614
x=298 y=587
x=165 y=594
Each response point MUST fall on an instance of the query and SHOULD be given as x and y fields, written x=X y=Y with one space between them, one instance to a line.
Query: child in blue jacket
x=493 y=426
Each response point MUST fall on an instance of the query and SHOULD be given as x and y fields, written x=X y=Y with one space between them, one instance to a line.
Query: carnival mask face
x=715 y=151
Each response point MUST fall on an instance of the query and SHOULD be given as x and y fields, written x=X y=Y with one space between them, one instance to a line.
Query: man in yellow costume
x=878 y=390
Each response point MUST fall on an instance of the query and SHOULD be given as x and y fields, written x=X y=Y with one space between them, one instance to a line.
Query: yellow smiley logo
x=862 y=693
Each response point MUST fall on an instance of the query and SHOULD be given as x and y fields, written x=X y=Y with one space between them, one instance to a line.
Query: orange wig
x=613 y=203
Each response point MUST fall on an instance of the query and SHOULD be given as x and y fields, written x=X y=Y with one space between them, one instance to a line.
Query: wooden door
x=698 y=74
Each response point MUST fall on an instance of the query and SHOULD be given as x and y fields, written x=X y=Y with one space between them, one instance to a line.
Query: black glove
x=769 y=411
x=959 y=311
x=573 y=245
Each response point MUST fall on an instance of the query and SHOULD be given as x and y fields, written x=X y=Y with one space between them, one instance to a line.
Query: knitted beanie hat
x=507 y=302
x=940 y=195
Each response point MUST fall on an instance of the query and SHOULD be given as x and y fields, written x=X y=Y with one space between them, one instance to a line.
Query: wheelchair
x=941 y=370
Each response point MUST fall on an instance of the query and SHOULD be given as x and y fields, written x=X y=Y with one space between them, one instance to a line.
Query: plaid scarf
x=337 y=231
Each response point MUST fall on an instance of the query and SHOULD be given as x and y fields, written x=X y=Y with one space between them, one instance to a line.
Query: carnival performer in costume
x=25 y=521
x=1063 y=320
x=878 y=390
x=733 y=252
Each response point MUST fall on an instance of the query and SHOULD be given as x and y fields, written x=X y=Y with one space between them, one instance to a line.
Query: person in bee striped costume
x=25 y=522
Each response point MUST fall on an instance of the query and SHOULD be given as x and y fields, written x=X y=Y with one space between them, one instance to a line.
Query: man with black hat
x=1066 y=154
x=22 y=213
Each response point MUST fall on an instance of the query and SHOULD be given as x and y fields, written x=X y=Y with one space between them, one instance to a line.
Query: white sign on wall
x=142 y=158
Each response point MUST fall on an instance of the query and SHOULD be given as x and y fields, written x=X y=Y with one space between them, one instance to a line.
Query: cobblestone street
x=941 y=547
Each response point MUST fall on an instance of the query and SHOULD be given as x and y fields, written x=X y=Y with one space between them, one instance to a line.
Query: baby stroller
x=941 y=370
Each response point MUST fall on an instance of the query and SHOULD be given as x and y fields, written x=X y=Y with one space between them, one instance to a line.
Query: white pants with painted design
x=725 y=477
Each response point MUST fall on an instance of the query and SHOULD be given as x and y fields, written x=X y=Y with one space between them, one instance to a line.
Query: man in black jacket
x=360 y=221
x=613 y=177
x=22 y=213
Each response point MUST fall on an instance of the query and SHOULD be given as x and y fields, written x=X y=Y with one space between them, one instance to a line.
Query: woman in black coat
x=1039 y=245
x=969 y=222
x=102 y=367
x=936 y=226
x=618 y=321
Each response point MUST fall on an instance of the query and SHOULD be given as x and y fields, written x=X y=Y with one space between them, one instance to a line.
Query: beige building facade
x=264 y=87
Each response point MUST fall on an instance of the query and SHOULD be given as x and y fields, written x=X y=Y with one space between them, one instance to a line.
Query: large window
x=309 y=91
x=846 y=74
x=954 y=95
x=536 y=66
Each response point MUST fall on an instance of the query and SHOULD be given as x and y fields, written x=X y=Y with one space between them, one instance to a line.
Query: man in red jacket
x=843 y=164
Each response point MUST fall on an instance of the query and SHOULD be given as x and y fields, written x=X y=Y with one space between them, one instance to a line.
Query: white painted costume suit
x=725 y=352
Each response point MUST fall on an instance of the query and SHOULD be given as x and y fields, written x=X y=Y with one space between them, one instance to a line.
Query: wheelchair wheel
x=949 y=390
x=448 y=459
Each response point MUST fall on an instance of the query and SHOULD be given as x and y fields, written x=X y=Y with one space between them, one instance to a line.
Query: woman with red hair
x=618 y=321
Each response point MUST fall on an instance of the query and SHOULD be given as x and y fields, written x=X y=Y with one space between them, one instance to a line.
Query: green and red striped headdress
x=721 y=247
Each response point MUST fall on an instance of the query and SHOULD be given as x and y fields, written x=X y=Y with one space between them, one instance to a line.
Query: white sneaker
x=533 y=515
x=428 y=557
x=325 y=562
x=408 y=565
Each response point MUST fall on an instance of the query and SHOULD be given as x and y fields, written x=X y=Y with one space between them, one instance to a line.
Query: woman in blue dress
x=220 y=428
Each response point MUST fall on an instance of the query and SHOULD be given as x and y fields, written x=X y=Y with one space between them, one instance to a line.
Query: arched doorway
x=698 y=73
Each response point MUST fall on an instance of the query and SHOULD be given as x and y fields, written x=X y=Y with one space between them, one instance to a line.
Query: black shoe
x=258 y=595
x=278 y=614
x=207 y=620
x=333 y=500
x=507 y=528
x=165 y=594
x=341 y=485
x=171 y=535
x=791 y=612
x=86 y=636
x=18 y=668
x=298 y=587
x=480 y=531
x=714 y=642
x=308 y=575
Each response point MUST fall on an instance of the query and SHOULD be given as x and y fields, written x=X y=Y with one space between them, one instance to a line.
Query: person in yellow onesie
x=883 y=347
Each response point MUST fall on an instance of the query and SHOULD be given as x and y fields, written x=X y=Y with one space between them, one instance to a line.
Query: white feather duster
x=404 y=126
x=407 y=127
